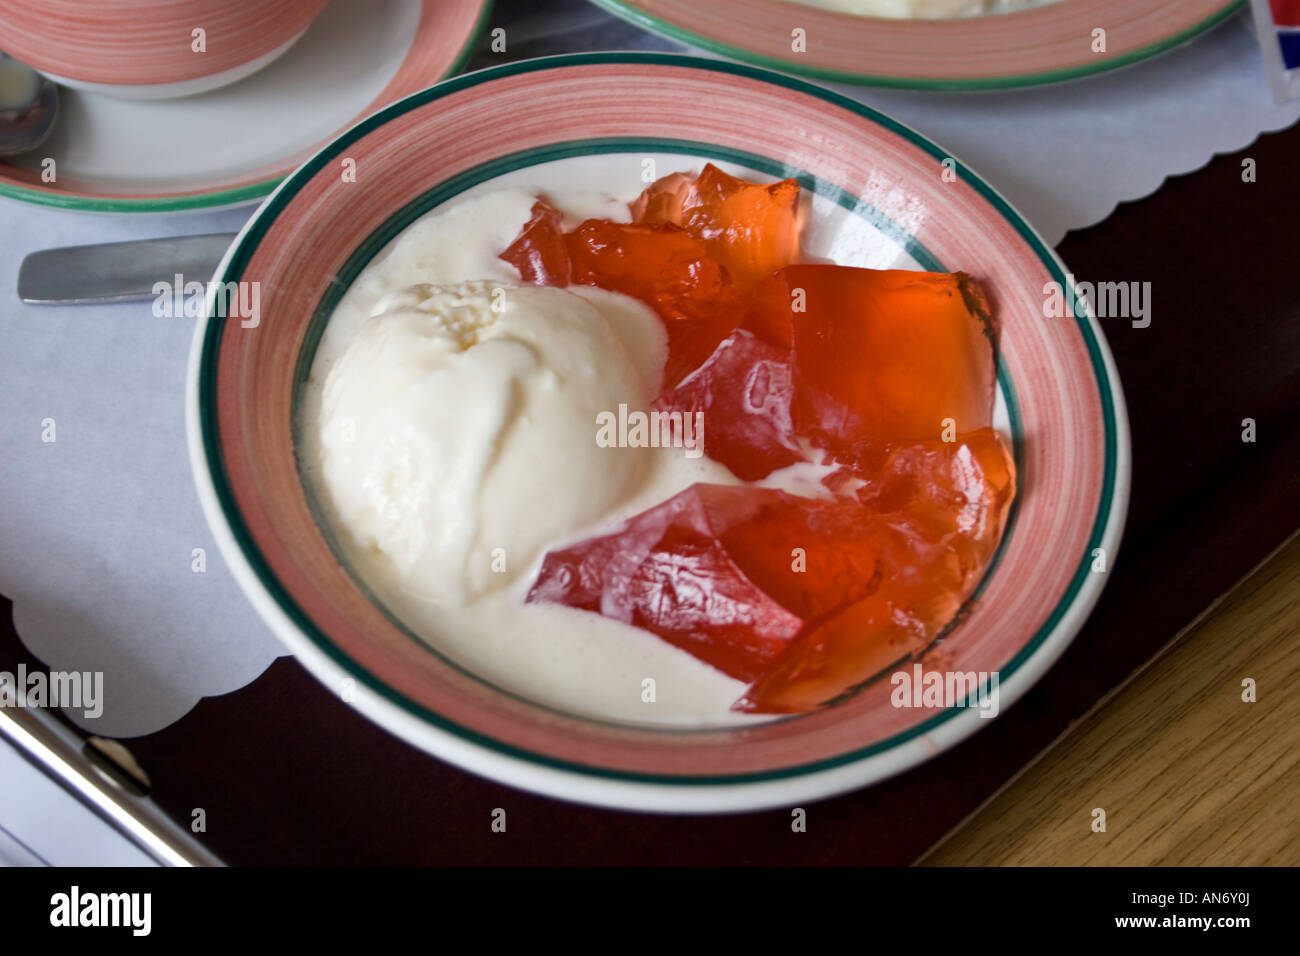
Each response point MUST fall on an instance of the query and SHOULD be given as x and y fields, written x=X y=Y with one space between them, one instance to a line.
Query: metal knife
x=83 y=771
x=118 y=271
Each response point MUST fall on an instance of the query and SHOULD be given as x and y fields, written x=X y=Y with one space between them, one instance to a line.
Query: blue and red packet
x=1278 y=24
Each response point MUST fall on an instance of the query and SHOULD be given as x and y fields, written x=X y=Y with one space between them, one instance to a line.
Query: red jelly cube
x=876 y=368
x=744 y=391
x=828 y=664
x=948 y=504
x=730 y=574
x=662 y=265
x=879 y=356
x=751 y=229
x=961 y=488
x=669 y=270
x=661 y=202
x=539 y=252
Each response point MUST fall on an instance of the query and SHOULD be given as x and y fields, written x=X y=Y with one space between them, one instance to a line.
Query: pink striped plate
x=1058 y=387
x=233 y=145
x=1042 y=44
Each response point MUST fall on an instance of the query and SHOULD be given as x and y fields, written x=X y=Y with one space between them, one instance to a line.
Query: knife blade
x=118 y=271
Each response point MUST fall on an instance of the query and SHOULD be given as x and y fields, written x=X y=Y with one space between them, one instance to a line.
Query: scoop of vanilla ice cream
x=461 y=420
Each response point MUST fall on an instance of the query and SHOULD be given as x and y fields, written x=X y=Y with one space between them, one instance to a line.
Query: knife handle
x=118 y=271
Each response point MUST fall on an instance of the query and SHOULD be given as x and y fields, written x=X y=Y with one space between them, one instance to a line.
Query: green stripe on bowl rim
x=627 y=10
x=210 y=199
x=246 y=244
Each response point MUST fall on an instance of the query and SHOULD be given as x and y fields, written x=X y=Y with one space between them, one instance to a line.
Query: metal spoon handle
x=118 y=270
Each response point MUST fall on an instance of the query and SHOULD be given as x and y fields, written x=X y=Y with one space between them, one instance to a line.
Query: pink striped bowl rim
x=1036 y=45
x=315 y=233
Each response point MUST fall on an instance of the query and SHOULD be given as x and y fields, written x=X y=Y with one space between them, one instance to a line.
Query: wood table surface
x=1187 y=770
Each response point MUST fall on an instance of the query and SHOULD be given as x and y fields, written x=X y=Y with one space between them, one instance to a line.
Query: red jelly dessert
x=661 y=264
x=944 y=507
x=750 y=229
x=745 y=392
x=539 y=252
x=879 y=356
x=808 y=598
x=958 y=491
x=661 y=201
x=732 y=574
x=669 y=270
x=850 y=359
x=888 y=376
